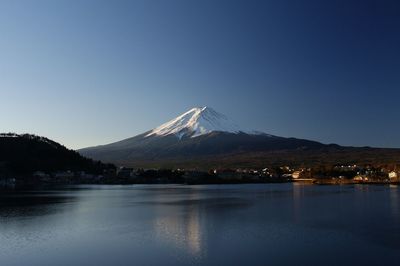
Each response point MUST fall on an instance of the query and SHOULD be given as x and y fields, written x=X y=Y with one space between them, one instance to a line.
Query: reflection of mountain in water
x=184 y=231
x=185 y=222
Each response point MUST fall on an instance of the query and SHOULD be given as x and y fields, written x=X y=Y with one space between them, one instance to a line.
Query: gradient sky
x=92 y=72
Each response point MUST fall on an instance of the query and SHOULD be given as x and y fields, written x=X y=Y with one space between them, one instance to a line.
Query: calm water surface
x=271 y=224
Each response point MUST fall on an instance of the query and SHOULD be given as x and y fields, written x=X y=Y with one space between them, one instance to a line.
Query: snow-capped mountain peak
x=196 y=122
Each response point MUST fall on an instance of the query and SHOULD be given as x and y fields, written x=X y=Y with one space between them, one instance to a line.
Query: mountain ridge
x=203 y=135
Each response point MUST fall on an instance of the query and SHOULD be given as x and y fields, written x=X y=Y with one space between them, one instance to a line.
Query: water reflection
x=32 y=203
x=298 y=191
x=182 y=231
x=186 y=221
x=181 y=225
x=201 y=225
x=394 y=200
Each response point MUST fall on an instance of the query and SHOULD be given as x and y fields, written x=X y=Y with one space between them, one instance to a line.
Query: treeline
x=25 y=154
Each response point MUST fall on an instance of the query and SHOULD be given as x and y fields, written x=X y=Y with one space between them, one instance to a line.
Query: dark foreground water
x=271 y=224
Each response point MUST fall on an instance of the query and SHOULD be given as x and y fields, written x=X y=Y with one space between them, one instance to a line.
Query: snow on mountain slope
x=196 y=122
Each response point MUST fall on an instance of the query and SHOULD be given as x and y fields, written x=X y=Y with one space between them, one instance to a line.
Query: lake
x=266 y=224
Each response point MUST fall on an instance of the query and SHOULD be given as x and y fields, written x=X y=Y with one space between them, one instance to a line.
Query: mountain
x=202 y=137
x=25 y=154
x=197 y=122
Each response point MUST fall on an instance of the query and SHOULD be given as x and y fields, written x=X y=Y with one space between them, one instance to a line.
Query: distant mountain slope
x=214 y=143
x=315 y=158
x=24 y=154
x=203 y=137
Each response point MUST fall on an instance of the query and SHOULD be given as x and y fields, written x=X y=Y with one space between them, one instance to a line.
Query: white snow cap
x=196 y=122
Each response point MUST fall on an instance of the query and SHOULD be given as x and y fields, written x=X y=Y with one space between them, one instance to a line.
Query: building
x=360 y=178
x=125 y=172
x=7 y=182
x=64 y=174
x=296 y=174
x=393 y=176
x=40 y=174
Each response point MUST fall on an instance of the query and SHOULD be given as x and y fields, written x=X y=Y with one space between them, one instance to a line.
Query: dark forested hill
x=25 y=154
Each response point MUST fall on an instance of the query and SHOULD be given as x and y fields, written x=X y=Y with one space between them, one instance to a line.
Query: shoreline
x=302 y=182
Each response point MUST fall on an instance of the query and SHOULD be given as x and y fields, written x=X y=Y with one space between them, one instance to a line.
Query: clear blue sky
x=92 y=72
